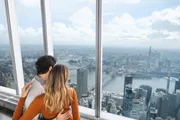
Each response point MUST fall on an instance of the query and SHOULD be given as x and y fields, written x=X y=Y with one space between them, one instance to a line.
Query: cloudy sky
x=127 y=23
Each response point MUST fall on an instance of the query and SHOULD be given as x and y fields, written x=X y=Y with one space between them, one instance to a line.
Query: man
x=43 y=66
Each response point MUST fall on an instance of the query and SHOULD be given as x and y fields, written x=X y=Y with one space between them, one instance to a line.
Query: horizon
x=93 y=46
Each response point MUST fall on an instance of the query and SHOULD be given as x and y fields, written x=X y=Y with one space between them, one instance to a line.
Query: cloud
x=159 y=29
x=67 y=35
x=157 y=35
x=83 y=17
x=79 y=31
x=27 y=35
x=165 y=25
x=125 y=19
x=30 y=35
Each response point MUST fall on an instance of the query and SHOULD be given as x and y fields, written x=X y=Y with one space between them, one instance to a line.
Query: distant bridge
x=107 y=79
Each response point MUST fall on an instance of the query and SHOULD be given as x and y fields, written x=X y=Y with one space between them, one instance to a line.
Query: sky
x=126 y=23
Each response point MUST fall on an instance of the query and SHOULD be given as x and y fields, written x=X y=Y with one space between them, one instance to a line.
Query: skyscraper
x=177 y=111
x=177 y=86
x=163 y=106
x=150 y=51
x=149 y=92
x=168 y=82
x=172 y=104
x=127 y=81
x=82 y=82
x=128 y=96
x=149 y=60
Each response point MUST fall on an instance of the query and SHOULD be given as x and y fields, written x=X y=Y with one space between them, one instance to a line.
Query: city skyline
x=144 y=97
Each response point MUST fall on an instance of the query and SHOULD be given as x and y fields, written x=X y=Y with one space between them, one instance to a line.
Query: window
x=141 y=59
x=30 y=31
x=6 y=68
x=74 y=45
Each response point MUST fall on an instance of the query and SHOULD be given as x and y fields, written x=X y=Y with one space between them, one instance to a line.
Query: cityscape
x=140 y=39
x=143 y=84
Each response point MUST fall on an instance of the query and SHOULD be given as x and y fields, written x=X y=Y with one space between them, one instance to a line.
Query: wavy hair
x=57 y=93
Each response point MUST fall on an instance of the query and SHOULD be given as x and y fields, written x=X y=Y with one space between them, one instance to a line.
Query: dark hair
x=43 y=64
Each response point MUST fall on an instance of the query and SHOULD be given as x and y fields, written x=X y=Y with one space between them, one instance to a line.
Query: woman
x=57 y=98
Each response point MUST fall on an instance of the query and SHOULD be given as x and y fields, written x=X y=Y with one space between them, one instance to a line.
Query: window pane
x=30 y=31
x=6 y=68
x=141 y=59
x=74 y=44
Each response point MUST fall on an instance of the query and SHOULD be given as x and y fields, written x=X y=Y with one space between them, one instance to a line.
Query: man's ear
x=50 y=68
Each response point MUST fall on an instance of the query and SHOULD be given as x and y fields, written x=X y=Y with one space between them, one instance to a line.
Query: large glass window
x=6 y=68
x=141 y=59
x=30 y=31
x=74 y=45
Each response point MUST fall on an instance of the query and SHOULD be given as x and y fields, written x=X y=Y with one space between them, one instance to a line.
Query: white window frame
x=14 y=44
x=98 y=86
x=47 y=27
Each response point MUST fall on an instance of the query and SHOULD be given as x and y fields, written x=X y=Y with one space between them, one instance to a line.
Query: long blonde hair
x=57 y=93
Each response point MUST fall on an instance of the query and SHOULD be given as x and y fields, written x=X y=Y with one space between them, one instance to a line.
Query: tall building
x=177 y=98
x=172 y=104
x=141 y=93
x=128 y=96
x=168 y=82
x=178 y=115
x=127 y=81
x=82 y=82
x=150 y=51
x=149 y=60
x=177 y=86
x=163 y=106
x=149 y=92
x=177 y=112
x=127 y=63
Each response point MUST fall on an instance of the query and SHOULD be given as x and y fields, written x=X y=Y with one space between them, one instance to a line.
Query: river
x=116 y=85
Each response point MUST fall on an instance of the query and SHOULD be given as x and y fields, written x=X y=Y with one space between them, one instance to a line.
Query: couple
x=47 y=95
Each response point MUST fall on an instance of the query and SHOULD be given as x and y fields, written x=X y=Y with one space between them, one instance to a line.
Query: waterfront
x=116 y=85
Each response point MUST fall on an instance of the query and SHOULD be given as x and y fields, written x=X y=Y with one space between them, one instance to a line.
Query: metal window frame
x=98 y=88
x=47 y=26
x=15 y=44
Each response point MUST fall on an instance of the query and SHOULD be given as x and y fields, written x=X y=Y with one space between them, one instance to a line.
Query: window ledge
x=90 y=114
x=9 y=101
x=7 y=90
